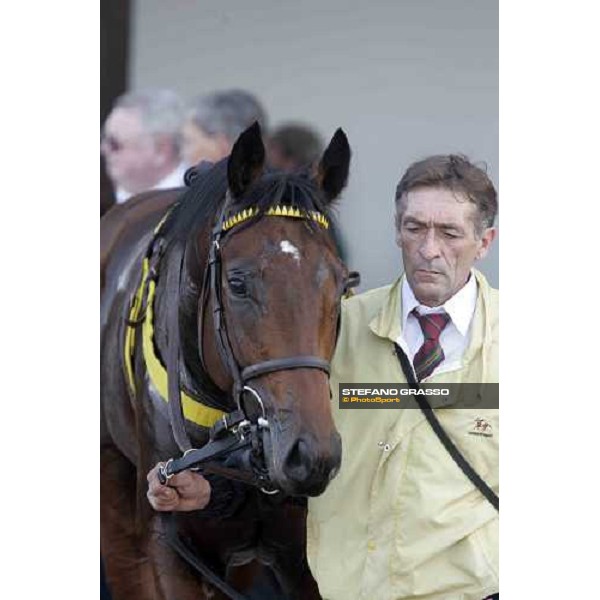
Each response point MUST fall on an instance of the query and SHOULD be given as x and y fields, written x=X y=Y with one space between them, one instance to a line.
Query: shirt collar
x=173 y=180
x=122 y=195
x=459 y=307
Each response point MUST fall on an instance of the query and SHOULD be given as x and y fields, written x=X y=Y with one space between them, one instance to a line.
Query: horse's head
x=281 y=282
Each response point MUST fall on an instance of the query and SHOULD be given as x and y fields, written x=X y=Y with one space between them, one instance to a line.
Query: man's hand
x=183 y=492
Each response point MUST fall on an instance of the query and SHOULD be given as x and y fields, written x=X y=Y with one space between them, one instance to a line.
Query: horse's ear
x=247 y=161
x=332 y=172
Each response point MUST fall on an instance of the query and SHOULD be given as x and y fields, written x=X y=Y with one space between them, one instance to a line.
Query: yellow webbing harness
x=193 y=409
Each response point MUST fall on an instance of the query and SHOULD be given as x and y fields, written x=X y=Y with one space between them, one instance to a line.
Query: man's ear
x=246 y=162
x=486 y=242
x=332 y=172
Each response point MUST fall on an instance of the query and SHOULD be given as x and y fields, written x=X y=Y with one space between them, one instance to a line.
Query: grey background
x=404 y=79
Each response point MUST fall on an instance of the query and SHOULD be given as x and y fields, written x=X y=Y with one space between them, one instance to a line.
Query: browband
x=276 y=211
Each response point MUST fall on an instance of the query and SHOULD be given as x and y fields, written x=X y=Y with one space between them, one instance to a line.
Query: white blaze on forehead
x=289 y=248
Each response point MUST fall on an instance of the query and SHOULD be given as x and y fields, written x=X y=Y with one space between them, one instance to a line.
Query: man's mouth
x=427 y=274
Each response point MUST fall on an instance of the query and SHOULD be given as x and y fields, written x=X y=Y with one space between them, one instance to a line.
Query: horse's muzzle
x=307 y=469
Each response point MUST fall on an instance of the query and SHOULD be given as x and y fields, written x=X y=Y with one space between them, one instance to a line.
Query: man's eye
x=238 y=286
x=452 y=236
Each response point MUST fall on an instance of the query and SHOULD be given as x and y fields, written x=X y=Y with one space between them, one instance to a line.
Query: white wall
x=403 y=78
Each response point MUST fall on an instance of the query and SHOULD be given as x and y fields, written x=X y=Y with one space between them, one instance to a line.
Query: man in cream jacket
x=401 y=521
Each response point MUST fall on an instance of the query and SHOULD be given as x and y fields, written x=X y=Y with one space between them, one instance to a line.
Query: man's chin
x=428 y=293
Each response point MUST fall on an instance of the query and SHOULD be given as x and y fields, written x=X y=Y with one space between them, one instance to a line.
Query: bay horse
x=278 y=286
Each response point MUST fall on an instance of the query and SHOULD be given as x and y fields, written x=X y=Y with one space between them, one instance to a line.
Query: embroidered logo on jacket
x=481 y=427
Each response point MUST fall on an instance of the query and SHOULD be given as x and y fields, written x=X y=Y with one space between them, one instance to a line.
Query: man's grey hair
x=227 y=113
x=162 y=112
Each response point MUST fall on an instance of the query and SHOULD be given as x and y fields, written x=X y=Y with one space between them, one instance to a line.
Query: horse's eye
x=238 y=286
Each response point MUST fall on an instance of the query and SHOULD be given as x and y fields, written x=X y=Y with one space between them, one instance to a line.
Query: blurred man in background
x=215 y=121
x=141 y=142
x=292 y=146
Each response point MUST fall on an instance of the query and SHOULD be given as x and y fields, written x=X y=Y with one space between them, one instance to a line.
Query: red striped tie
x=430 y=354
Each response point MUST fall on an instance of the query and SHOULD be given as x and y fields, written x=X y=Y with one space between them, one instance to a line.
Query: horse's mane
x=198 y=205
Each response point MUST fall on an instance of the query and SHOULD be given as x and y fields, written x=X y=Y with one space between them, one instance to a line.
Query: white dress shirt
x=173 y=180
x=454 y=338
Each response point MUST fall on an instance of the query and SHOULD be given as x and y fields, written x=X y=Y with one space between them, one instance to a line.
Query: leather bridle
x=237 y=422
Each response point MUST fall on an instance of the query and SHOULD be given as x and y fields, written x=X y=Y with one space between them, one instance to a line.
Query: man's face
x=439 y=242
x=132 y=156
x=198 y=146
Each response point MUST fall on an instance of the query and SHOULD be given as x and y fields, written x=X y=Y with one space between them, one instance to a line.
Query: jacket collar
x=386 y=323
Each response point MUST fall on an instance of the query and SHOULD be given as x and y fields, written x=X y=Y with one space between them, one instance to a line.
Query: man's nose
x=430 y=247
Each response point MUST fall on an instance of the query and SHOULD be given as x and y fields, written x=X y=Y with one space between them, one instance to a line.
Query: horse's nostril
x=298 y=464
